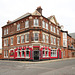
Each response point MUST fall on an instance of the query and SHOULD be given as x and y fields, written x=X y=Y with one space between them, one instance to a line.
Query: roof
x=73 y=35
x=23 y=16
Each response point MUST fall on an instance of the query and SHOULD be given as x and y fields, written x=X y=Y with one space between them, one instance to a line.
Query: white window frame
x=11 y=40
x=27 y=56
x=53 y=51
x=54 y=41
x=18 y=38
x=18 y=55
x=22 y=54
x=43 y=37
x=4 y=42
x=47 y=39
x=22 y=38
x=4 y=31
x=54 y=30
x=47 y=26
x=26 y=37
x=36 y=22
x=58 y=31
x=43 y=24
x=44 y=52
x=7 y=30
x=51 y=28
x=27 y=24
x=18 y=27
x=36 y=37
x=51 y=40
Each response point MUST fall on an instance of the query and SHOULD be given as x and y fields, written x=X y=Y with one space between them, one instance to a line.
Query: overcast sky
x=64 y=11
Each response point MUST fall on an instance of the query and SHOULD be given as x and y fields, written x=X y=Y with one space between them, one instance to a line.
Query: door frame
x=33 y=54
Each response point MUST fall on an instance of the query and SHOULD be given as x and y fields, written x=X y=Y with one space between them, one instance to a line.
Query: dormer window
x=26 y=24
x=18 y=27
x=36 y=22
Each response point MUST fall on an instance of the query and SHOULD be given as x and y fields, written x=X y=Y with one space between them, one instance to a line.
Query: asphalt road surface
x=63 y=67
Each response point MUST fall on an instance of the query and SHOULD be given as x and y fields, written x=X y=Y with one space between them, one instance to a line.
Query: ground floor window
x=43 y=52
x=53 y=53
x=27 y=52
x=18 y=52
x=22 y=52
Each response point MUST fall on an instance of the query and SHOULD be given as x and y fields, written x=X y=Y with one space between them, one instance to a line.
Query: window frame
x=18 y=27
x=27 y=24
x=36 y=22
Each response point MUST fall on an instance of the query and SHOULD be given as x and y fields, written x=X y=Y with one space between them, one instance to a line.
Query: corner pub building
x=31 y=36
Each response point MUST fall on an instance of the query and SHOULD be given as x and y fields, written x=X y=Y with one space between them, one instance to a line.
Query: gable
x=36 y=13
x=53 y=19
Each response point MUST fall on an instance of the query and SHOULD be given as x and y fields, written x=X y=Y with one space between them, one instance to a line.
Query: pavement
x=44 y=61
x=49 y=67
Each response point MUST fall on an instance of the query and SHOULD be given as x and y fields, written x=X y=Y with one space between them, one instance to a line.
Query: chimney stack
x=39 y=9
x=8 y=22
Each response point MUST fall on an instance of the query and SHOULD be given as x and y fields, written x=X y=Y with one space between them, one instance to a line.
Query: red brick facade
x=55 y=44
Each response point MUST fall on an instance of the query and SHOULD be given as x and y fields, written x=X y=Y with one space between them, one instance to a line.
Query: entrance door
x=36 y=55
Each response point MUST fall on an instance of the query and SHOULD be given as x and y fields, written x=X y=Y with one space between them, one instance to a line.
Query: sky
x=64 y=11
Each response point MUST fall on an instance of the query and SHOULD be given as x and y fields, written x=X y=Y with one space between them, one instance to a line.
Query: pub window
x=7 y=42
x=36 y=22
x=26 y=24
x=18 y=52
x=18 y=27
x=43 y=37
x=47 y=26
x=27 y=52
x=4 y=42
x=57 y=31
x=22 y=52
x=47 y=39
x=36 y=36
x=11 y=41
x=27 y=37
x=54 y=29
x=58 y=42
x=53 y=53
x=51 y=28
x=7 y=30
x=43 y=52
x=4 y=31
x=22 y=39
x=18 y=39
x=43 y=24
x=4 y=53
x=51 y=40
x=54 y=41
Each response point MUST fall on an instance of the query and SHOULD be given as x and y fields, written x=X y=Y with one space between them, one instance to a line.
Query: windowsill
x=35 y=26
x=26 y=41
x=27 y=57
x=35 y=41
x=26 y=27
x=11 y=44
x=18 y=43
x=18 y=30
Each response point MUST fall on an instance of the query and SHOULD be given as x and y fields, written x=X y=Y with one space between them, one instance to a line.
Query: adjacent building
x=35 y=37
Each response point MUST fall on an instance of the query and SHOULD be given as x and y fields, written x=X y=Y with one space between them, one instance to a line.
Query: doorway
x=36 y=55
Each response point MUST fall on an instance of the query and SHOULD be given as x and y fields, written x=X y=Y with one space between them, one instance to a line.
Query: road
x=63 y=67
